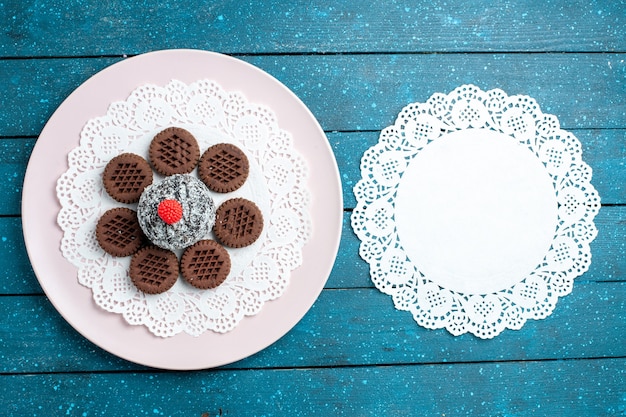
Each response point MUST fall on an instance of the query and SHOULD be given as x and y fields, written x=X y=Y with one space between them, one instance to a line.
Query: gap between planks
x=225 y=368
x=334 y=53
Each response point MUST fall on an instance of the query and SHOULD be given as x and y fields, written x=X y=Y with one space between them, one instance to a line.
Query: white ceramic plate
x=58 y=277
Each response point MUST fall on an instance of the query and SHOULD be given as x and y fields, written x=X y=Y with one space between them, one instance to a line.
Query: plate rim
x=266 y=327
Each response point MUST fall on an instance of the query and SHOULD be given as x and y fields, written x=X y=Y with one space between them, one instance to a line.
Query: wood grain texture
x=509 y=389
x=349 y=270
x=603 y=150
x=33 y=89
x=16 y=276
x=125 y=27
x=355 y=65
x=608 y=260
x=364 y=92
x=353 y=327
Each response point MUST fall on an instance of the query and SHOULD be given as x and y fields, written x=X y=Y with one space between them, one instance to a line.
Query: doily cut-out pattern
x=277 y=183
x=475 y=310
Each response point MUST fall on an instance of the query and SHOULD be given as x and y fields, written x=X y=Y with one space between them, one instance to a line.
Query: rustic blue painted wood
x=352 y=327
x=603 y=149
x=349 y=271
x=530 y=388
x=16 y=276
x=355 y=64
x=364 y=92
x=76 y=28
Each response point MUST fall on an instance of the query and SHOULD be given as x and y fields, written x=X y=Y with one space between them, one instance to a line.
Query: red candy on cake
x=170 y=211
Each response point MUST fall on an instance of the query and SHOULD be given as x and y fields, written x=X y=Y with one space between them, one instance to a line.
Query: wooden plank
x=349 y=270
x=106 y=28
x=364 y=92
x=16 y=272
x=352 y=354
x=608 y=163
x=14 y=154
x=34 y=89
x=552 y=388
x=603 y=150
x=344 y=328
x=608 y=260
x=367 y=92
x=361 y=327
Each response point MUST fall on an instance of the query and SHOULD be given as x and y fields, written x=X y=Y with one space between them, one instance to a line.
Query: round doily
x=276 y=183
x=475 y=211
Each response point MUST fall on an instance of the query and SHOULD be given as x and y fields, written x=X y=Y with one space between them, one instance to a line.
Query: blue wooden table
x=355 y=64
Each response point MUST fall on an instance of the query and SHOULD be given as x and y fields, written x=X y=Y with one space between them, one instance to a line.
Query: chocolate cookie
x=154 y=270
x=174 y=151
x=223 y=168
x=205 y=265
x=118 y=232
x=126 y=176
x=238 y=223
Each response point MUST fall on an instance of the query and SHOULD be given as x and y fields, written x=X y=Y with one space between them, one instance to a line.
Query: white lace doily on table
x=276 y=183
x=475 y=211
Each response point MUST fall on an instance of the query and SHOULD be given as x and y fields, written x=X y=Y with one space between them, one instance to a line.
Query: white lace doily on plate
x=276 y=183
x=475 y=211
